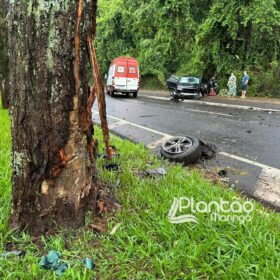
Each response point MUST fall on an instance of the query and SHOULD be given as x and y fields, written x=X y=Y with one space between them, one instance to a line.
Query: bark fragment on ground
x=98 y=88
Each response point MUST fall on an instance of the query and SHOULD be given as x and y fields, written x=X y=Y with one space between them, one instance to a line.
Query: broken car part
x=158 y=171
x=184 y=149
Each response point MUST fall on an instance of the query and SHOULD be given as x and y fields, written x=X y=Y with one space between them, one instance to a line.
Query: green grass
x=147 y=245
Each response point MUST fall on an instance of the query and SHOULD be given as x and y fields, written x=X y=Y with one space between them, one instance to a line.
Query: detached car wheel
x=182 y=149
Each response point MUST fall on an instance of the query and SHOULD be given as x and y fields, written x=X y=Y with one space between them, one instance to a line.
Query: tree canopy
x=197 y=37
x=193 y=36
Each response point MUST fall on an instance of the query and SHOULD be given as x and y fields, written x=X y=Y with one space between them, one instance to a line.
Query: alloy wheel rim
x=177 y=145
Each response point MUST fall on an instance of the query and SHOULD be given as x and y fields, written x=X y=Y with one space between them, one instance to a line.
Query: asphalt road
x=247 y=140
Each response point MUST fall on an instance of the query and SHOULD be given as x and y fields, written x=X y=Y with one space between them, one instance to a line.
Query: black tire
x=188 y=156
x=127 y=94
x=173 y=96
x=135 y=94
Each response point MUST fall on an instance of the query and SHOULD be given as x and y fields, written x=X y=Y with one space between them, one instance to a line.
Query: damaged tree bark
x=4 y=93
x=98 y=88
x=54 y=170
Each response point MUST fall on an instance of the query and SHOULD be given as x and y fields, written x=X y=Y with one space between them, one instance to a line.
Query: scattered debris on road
x=161 y=171
x=115 y=228
x=187 y=150
x=111 y=166
x=53 y=262
x=88 y=263
x=208 y=151
x=222 y=173
x=12 y=253
x=96 y=228
x=107 y=202
x=113 y=153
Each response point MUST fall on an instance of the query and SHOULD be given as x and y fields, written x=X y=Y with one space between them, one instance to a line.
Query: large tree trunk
x=54 y=172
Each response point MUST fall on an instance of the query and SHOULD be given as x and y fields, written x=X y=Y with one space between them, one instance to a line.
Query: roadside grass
x=146 y=245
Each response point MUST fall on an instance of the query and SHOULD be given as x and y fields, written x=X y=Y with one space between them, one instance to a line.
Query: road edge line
x=224 y=105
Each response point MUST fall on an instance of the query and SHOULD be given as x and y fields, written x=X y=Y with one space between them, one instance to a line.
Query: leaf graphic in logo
x=179 y=219
x=183 y=219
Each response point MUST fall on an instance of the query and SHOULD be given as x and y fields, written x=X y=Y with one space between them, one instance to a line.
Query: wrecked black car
x=186 y=87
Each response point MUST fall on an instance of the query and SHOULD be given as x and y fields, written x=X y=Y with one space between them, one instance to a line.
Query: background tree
x=54 y=172
x=3 y=55
x=238 y=35
x=195 y=37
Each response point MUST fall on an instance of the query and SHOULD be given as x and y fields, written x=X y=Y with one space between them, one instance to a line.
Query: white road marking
x=193 y=110
x=252 y=162
x=139 y=126
x=156 y=97
x=243 y=107
x=207 y=112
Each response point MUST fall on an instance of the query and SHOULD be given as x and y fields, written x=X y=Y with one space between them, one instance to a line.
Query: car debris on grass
x=186 y=149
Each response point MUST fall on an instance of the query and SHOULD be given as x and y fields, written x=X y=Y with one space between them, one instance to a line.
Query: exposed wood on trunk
x=54 y=170
x=4 y=93
x=98 y=86
x=77 y=48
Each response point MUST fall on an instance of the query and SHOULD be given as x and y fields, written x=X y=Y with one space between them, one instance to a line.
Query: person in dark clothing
x=213 y=87
x=245 y=81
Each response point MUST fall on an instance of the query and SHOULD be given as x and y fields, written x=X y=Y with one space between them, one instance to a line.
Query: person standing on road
x=213 y=87
x=232 y=85
x=245 y=81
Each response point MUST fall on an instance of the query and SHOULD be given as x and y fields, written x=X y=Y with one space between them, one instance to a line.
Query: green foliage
x=151 y=31
x=265 y=80
x=194 y=37
x=152 y=82
x=239 y=36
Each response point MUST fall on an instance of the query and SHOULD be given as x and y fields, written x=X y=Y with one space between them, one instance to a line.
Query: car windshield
x=189 y=80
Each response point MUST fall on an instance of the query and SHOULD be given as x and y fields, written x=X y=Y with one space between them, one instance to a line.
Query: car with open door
x=185 y=87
